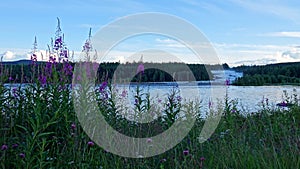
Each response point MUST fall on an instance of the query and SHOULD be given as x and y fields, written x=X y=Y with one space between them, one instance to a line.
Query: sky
x=240 y=31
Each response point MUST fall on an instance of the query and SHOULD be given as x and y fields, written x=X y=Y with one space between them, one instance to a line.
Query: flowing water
x=249 y=98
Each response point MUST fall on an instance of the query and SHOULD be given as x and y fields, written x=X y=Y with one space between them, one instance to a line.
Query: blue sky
x=242 y=32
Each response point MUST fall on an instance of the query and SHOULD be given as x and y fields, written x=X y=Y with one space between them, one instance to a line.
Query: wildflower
x=15 y=145
x=102 y=86
x=186 y=152
x=67 y=69
x=159 y=100
x=10 y=78
x=90 y=143
x=227 y=82
x=163 y=160
x=43 y=79
x=4 y=147
x=22 y=155
x=58 y=43
x=124 y=93
x=201 y=162
x=95 y=67
x=149 y=140
x=136 y=101
x=179 y=98
x=33 y=58
x=267 y=101
x=282 y=104
x=73 y=126
x=209 y=104
x=15 y=92
x=105 y=96
x=233 y=111
x=140 y=68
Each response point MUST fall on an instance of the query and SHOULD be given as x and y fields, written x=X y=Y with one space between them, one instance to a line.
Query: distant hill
x=279 y=73
x=19 y=62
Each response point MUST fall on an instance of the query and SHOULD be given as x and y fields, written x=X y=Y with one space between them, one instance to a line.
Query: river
x=249 y=98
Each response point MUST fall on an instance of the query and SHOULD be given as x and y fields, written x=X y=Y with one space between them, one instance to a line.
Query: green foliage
x=282 y=73
x=41 y=121
x=24 y=73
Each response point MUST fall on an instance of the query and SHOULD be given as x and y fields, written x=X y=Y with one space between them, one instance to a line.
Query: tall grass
x=39 y=129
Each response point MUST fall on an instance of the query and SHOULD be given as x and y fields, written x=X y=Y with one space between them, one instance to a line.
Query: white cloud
x=284 y=34
x=41 y=55
x=8 y=55
x=233 y=54
x=237 y=54
x=294 y=53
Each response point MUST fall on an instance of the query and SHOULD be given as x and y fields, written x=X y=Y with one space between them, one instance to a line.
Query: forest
x=272 y=74
x=23 y=71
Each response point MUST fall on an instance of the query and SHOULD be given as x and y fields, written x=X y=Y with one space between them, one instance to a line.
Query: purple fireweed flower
x=87 y=46
x=136 y=101
x=105 y=96
x=124 y=93
x=201 y=161
x=209 y=104
x=103 y=86
x=78 y=78
x=14 y=91
x=33 y=59
x=10 y=78
x=4 y=147
x=233 y=111
x=73 y=126
x=284 y=104
x=179 y=98
x=140 y=68
x=186 y=152
x=95 y=67
x=67 y=69
x=15 y=146
x=227 y=82
x=58 y=43
x=43 y=79
x=22 y=155
x=163 y=160
x=65 y=53
x=90 y=143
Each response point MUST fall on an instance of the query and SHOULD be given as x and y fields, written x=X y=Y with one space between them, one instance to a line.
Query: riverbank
x=40 y=130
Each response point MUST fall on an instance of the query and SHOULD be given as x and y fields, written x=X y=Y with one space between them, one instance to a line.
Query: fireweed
x=39 y=128
x=42 y=124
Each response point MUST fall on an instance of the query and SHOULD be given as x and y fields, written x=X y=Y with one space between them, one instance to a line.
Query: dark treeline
x=22 y=72
x=281 y=73
x=154 y=72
